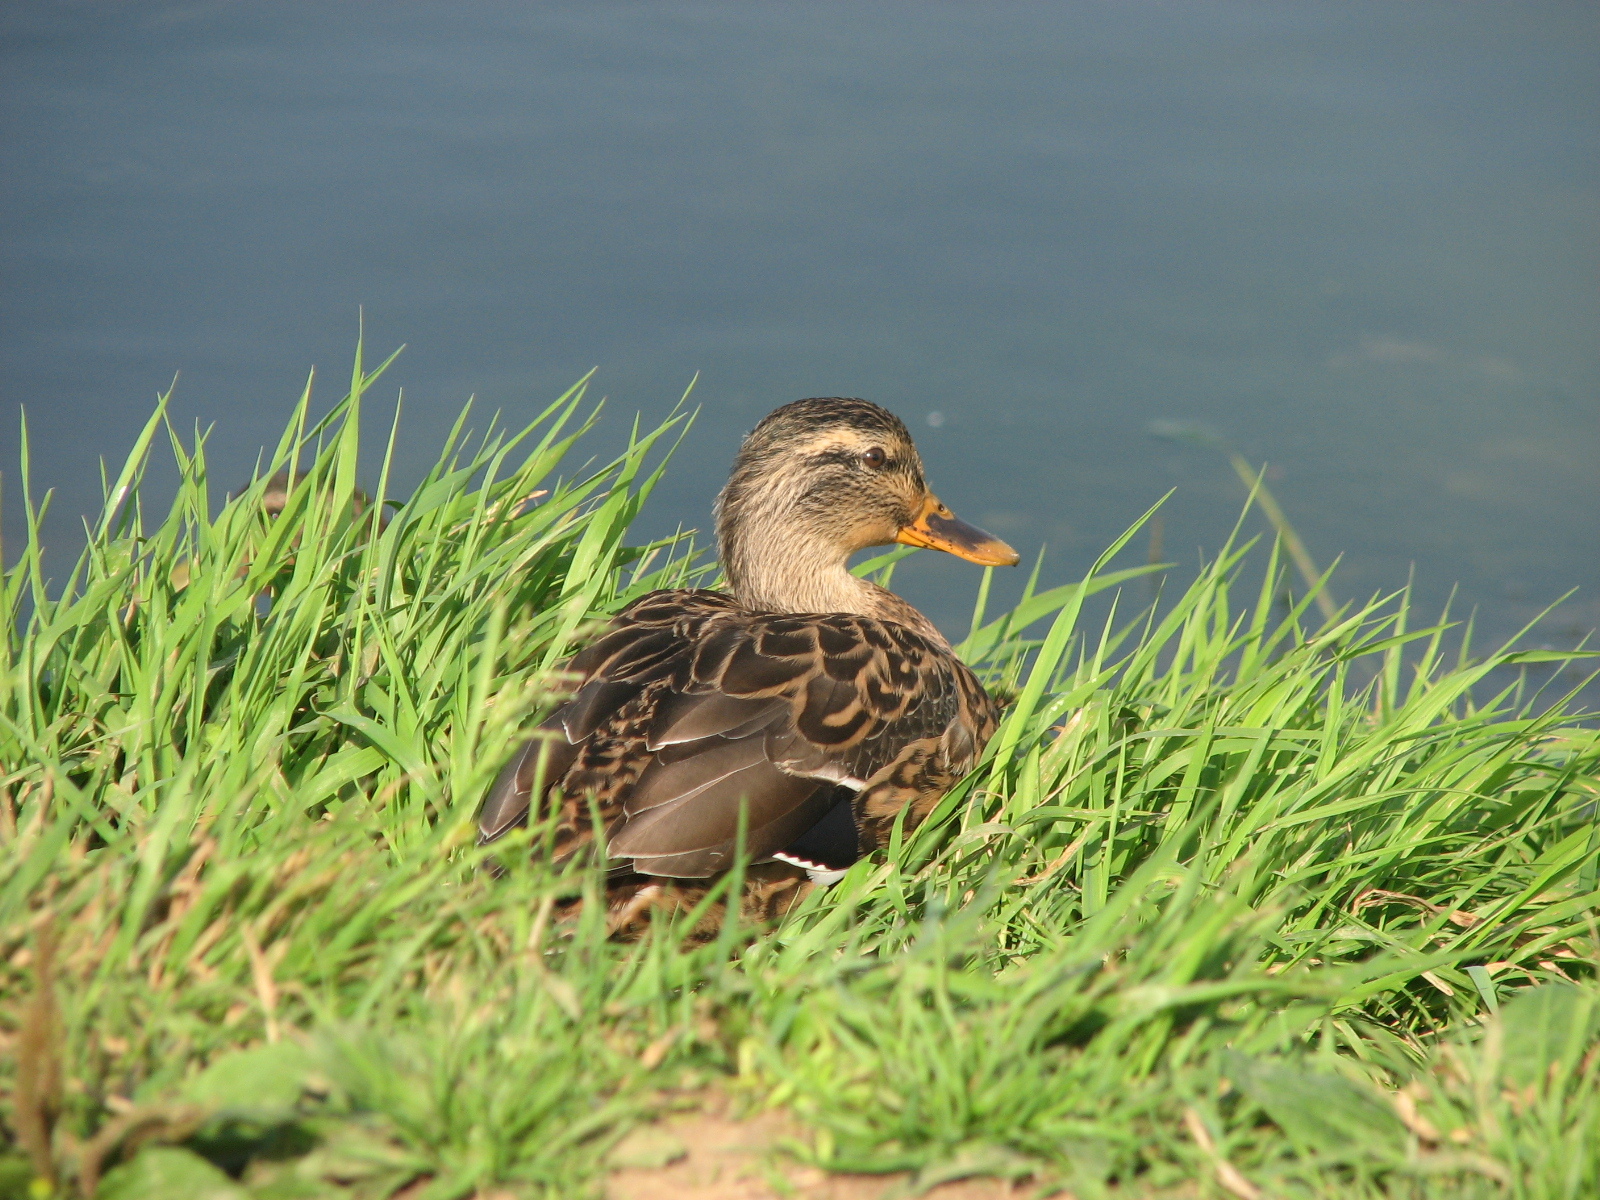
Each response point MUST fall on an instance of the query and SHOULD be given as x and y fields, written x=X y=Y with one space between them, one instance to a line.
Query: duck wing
x=694 y=711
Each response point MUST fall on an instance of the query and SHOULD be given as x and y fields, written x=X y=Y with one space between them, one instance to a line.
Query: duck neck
x=776 y=568
x=791 y=573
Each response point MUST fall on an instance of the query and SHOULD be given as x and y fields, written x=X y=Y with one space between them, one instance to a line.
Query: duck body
x=692 y=708
x=703 y=721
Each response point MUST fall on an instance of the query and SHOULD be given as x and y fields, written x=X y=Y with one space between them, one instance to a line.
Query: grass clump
x=1238 y=903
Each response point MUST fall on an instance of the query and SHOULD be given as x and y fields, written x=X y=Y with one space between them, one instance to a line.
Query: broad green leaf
x=1552 y=1026
x=168 y=1173
x=266 y=1080
x=1324 y=1113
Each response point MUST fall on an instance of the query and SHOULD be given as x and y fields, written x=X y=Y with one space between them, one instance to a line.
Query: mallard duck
x=817 y=701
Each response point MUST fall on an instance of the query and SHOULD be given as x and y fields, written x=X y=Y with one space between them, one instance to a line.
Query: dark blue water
x=1357 y=241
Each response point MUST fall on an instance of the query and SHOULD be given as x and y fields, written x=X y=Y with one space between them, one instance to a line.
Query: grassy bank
x=1241 y=903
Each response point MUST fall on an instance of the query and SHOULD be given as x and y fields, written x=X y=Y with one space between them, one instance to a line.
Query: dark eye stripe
x=840 y=456
x=848 y=458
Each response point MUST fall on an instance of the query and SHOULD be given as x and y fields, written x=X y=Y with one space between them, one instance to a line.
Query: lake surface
x=1357 y=241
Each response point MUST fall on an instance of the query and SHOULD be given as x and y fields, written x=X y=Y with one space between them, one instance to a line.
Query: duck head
x=818 y=480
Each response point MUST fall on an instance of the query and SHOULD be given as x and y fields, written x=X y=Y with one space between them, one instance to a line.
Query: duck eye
x=875 y=457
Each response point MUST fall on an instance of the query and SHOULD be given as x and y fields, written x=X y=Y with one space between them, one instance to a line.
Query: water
x=1354 y=240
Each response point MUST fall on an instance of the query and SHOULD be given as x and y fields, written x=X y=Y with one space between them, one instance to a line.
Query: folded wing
x=695 y=717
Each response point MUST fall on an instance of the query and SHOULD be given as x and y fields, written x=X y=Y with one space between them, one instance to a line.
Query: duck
x=804 y=710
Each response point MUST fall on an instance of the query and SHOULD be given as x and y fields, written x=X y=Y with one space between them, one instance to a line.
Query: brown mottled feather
x=691 y=706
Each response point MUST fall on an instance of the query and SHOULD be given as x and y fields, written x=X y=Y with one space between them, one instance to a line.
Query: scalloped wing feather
x=693 y=708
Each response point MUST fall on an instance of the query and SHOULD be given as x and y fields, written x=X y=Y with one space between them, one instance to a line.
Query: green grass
x=1240 y=902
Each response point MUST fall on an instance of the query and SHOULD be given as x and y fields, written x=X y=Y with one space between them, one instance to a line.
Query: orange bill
x=937 y=528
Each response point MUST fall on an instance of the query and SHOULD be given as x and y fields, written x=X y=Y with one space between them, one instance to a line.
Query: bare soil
x=716 y=1155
